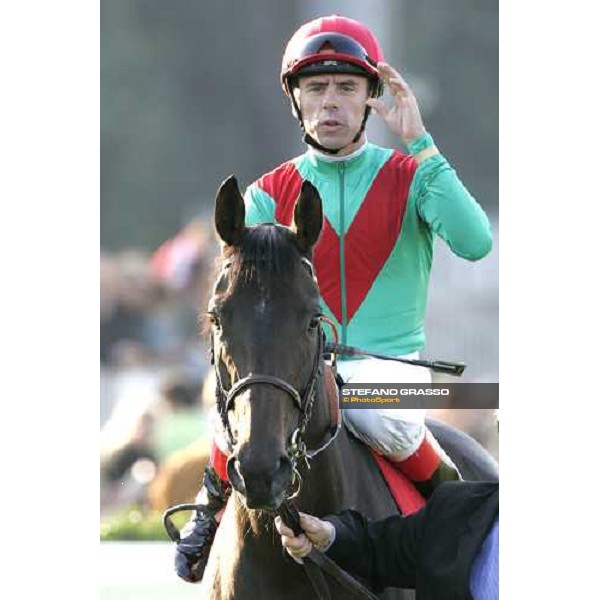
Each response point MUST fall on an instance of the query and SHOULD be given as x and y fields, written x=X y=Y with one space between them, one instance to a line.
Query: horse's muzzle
x=262 y=483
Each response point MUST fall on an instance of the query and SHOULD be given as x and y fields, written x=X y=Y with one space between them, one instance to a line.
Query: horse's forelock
x=268 y=256
x=266 y=251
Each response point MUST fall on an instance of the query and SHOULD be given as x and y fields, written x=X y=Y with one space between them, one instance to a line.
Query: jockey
x=373 y=259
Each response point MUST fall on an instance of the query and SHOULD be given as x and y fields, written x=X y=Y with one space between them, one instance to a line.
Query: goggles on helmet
x=341 y=48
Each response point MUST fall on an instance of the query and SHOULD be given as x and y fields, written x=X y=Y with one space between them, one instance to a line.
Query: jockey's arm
x=446 y=205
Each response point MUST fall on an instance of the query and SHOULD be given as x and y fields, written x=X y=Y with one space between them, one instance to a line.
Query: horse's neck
x=244 y=537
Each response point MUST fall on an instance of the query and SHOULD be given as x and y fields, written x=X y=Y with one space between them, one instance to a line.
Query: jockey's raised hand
x=403 y=117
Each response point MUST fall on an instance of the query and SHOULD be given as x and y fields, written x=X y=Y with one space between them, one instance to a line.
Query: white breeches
x=394 y=432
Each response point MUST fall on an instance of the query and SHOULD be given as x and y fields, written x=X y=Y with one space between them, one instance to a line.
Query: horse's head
x=265 y=317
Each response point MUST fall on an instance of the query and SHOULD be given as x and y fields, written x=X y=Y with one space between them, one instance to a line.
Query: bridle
x=297 y=450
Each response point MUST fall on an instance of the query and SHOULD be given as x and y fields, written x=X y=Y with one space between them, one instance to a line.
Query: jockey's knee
x=395 y=433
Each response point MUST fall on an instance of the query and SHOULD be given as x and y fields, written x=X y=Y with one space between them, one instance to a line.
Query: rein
x=315 y=562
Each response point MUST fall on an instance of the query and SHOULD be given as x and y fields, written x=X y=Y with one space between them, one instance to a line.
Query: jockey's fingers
x=282 y=528
x=386 y=71
x=311 y=524
x=399 y=86
x=379 y=107
x=297 y=546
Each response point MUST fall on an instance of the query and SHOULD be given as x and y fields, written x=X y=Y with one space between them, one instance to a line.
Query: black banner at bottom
x=419 y=395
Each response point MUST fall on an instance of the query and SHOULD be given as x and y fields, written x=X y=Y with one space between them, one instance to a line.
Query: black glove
x=193 y=549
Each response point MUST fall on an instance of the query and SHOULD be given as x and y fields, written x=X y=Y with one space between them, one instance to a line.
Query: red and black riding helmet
x=351 y=48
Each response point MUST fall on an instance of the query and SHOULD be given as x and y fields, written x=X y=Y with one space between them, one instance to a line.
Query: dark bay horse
x=265 y=320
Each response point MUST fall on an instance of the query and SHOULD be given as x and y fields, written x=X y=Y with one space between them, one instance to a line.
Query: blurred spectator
x=149 y=304
x=180 y=262
x=178 y=477
x=143 y=432
x=128 y=294
x=118 y=461
x=180 y=417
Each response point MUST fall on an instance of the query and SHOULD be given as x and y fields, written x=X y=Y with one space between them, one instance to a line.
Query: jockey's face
x=333 y=107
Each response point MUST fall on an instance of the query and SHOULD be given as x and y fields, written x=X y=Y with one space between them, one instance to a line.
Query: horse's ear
x=230 y=213
x=308 y=216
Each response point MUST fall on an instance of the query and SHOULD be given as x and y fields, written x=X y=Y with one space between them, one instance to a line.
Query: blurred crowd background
x=189 y=94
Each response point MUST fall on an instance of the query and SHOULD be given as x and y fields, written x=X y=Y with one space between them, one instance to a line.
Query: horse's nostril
x=283 y=463
x=283 y=473
x=234 y=475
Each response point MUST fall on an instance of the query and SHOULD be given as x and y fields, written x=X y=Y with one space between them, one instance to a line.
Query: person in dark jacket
x=448 y=549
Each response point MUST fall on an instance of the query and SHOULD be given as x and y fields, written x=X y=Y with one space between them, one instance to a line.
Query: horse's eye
x=214 y=319
x=314 y=322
